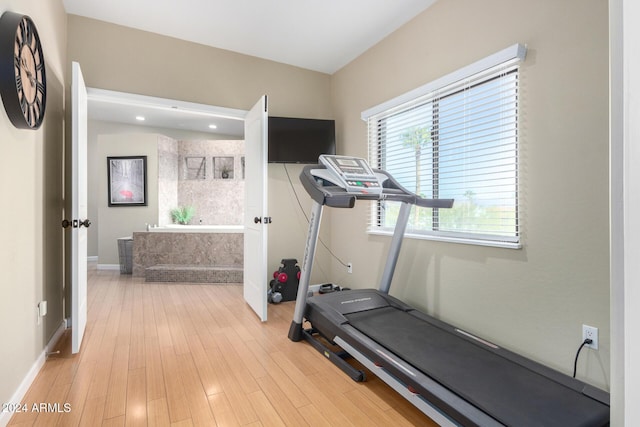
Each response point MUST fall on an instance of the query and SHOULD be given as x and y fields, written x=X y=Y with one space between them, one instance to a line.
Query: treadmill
x=454 y=377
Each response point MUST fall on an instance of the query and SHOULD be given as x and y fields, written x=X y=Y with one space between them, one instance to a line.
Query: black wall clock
x=23 y=83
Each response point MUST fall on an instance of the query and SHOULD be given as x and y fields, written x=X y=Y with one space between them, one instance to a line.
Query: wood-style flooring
x=157 y=354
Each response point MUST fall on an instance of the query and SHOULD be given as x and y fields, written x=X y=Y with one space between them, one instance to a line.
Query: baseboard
x=92 y=258
x=108 y=267
x=17 y=397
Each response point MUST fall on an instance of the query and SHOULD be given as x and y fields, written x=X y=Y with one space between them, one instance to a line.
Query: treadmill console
x=351 y=173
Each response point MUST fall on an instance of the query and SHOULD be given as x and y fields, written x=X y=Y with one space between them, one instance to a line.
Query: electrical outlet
x=349 y=268
x=589 y=332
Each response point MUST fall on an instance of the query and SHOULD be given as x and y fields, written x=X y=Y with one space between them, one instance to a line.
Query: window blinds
x=455 y=138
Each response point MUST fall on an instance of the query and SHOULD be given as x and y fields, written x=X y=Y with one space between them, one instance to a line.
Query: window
x=454 y=138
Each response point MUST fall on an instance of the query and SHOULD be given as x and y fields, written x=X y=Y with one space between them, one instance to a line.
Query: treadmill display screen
x=353 y=173
x=347 y=162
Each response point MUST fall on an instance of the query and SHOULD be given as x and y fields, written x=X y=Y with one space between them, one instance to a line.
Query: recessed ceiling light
x=140 y=118
x=213 y=127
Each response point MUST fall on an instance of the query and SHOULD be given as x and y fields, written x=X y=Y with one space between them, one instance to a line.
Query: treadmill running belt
x=511 y=393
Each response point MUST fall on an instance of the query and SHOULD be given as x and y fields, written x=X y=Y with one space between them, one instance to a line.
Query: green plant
x=182 y=214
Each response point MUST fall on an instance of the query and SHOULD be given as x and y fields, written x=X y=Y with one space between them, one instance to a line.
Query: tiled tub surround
x=193 y=274
x=188 y=256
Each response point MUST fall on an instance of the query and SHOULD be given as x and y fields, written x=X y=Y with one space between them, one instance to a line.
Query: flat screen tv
x=293 y=140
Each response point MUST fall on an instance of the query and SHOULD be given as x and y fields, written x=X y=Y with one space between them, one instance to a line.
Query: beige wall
x=290 y=206
x=27 y=208
x=532 y=300
x=127 y=60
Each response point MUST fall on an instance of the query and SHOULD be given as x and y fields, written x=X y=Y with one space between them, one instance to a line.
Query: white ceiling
x=316 y=35
x=321 y=35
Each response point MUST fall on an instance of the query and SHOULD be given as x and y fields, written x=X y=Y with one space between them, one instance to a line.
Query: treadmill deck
x=501 y=386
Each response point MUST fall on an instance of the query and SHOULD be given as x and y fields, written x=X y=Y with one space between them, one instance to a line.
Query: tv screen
x=293 y=140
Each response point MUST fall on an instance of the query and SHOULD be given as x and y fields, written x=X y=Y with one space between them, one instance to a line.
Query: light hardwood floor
x=188 y=354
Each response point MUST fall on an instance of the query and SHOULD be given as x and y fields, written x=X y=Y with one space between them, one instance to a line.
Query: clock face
x=29 y=72
x=23 y=85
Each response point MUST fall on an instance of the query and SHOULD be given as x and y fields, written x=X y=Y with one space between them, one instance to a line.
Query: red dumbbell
x=283 y=277
x=298 y=274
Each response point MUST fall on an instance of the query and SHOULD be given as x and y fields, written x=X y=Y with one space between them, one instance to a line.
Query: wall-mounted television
x=293 y=140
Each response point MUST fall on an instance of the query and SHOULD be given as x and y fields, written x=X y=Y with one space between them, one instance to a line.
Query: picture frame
x=127 y=180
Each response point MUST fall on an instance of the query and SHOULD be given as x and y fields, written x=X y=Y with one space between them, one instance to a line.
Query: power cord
x=575 y=363
x=307 y=218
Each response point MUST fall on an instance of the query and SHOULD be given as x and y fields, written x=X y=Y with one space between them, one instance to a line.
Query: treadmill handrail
x=329 y=194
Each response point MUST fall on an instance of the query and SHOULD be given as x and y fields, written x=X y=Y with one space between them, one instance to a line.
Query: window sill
x=450 y=239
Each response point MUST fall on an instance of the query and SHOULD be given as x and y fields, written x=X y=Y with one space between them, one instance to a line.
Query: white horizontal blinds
x=459 y=142
x=478 y=157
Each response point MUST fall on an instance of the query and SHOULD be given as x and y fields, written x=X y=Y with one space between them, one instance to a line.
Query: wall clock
x=23 y=83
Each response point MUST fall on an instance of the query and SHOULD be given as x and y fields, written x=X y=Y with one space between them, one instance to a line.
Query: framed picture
x=127 y=180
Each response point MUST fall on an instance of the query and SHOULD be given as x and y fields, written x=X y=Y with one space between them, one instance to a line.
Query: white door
x=78 y=207
x=256 y=218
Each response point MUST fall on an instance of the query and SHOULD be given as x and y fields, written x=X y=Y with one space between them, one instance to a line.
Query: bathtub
x=179 y=228
x=188 y=245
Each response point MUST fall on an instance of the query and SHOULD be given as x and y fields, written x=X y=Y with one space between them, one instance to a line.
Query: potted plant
x=182 y=214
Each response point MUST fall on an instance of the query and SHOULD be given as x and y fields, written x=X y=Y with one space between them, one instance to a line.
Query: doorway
x=130 y=110
x=112 y=112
